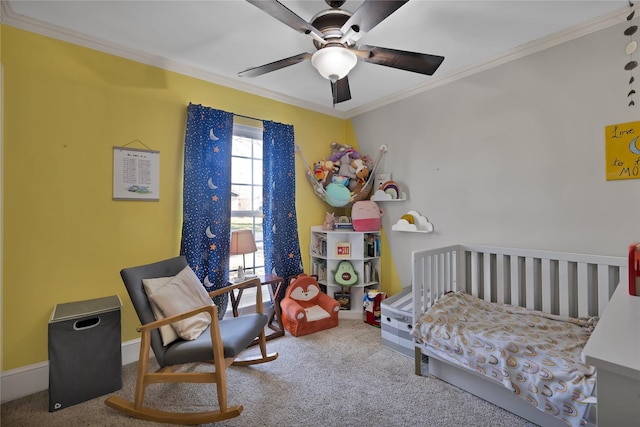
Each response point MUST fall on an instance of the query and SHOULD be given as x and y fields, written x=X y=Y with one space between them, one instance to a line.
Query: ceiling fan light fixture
x=334 y=62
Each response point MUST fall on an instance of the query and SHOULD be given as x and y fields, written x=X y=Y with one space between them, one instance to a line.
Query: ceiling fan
x=335 y=33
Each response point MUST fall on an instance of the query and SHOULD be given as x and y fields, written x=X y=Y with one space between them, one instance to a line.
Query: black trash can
x=85 y=356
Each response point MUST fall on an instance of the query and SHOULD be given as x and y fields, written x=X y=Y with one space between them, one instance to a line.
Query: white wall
x=514 y=156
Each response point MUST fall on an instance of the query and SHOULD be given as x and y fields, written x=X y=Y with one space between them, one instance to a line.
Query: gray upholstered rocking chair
x=219 y=344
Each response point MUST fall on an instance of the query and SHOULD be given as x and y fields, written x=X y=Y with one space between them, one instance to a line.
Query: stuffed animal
x=318 y=172
x=368 y=161
x=362 y=173
x=340 y=180
x=337 y=195
x=345 y=274
x=345 y=167
x=322 y=171
x=362 y=170
x=329 y=220
x=365 y=215
x=338 y=150
x=355 y=185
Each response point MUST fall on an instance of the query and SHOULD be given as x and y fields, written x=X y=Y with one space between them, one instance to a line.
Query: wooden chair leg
x=263 y=344
x=220 y=364
x=143 y=365
x=264 y=356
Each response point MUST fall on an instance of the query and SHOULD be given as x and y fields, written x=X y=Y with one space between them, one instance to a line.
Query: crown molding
x=9 y=17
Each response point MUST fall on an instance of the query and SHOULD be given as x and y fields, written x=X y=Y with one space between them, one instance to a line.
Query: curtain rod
x=254 y=118
x=249 y=117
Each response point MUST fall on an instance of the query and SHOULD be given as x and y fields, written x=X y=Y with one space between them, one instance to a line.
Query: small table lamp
x=242 y=242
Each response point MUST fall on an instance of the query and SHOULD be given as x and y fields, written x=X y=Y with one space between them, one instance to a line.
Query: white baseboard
x=31 y=379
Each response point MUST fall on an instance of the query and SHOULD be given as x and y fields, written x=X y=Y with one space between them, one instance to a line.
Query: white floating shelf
x=381 y=196
x=406 y=230
x=420 y=224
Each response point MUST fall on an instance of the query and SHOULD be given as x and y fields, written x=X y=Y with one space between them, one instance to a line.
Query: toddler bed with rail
x=508 y=325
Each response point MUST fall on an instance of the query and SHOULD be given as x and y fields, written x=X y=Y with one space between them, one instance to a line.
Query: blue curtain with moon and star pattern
x=281 y=243
x=206 y=223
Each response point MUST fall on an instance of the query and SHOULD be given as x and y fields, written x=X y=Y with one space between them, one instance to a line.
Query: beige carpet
x=339 y=377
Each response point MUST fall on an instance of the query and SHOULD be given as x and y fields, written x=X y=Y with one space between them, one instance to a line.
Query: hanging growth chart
x=136 y=174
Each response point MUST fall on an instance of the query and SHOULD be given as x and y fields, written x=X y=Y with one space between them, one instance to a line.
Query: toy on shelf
x=343 y=223
x=414 y=222
x=329 y=221
x=345 y=275
x=389 y=191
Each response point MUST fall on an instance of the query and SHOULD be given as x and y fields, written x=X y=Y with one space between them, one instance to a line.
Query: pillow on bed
x=181 y=294
x=150 y=287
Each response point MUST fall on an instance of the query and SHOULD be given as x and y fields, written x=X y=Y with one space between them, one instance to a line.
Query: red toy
x=372 y=309
x=306 y=309
x=634 y=269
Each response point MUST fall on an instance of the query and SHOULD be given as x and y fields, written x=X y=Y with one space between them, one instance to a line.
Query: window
x=246 y=194
x=246 y=203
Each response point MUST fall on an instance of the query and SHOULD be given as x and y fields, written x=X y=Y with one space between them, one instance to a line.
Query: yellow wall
x=65 y=239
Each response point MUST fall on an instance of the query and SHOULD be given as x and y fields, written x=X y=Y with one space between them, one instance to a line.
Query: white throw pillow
x=184 y=293
x=150 y=287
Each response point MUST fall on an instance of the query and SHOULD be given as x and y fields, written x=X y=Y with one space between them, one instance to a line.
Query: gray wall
x=513 y=156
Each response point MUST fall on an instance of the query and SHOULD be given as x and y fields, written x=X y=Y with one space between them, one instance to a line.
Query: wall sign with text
x=136 y=174
x=622 y=147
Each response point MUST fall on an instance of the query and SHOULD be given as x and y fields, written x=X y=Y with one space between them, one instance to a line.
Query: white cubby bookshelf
x=364 y=256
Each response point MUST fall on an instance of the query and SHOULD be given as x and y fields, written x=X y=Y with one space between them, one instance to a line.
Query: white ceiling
x=215 y=40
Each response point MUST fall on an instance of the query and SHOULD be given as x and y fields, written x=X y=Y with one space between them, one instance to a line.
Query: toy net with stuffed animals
x=346 y=177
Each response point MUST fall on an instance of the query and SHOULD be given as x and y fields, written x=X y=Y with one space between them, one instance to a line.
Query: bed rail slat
x=436 y=285
x=604 y=293
x=418 y=283
x=583 y=289
x=546 y=289
x=563 y=297
x=475 y=285
x=486 y=281
x=529 y=283
x=437 y=274
x=444 y=265
x=500 y=279
x=453 y=268
x=515 y=280
x=428 y=274
x=439 y=260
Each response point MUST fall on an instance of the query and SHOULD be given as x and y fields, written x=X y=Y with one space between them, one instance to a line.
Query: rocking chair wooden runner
x=220 y=344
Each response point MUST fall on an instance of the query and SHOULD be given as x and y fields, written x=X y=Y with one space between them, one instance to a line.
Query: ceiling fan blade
x=370 y=14
x=288 y=17
x=360 y=53
x=340 y=90
x=410 y=61
x=273 y=66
